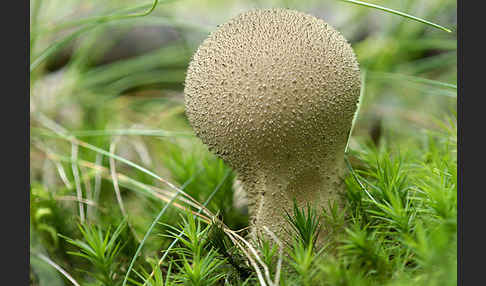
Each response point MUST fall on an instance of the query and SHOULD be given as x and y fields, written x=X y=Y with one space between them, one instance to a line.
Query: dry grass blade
x=252 y=261
x=252 y=251
x=73 y=198
x=57 y=267
x=142 y=151
x=88 y=191
x=117 y=187
x=97 y=186
x=115 y=177
x=79 y=192
x=280 y=255
x=55 y=161
x=62 y=175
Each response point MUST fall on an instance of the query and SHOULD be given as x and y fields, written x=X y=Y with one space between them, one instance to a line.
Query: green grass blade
x=149 y=231
x=58 y=45
x=88 y=20
x=360 y=100
x=93 y=23
x=33 y=22
x=416 y=79
x=398 y=13
x=208 y=200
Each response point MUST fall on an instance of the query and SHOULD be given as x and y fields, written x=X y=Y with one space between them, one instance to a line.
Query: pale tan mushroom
x=273 y=93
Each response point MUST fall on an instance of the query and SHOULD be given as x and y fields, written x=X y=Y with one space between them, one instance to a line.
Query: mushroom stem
x=270 y=194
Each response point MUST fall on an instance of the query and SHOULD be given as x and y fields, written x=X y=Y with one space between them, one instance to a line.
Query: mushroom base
x=271 y=194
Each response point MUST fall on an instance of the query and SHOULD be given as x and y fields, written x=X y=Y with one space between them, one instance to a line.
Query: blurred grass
x=112 y=76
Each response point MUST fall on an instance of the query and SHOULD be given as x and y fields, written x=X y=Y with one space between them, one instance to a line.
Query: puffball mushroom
x=273 y=93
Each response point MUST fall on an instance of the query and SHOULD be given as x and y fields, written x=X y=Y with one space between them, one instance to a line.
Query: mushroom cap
x=272 y=85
